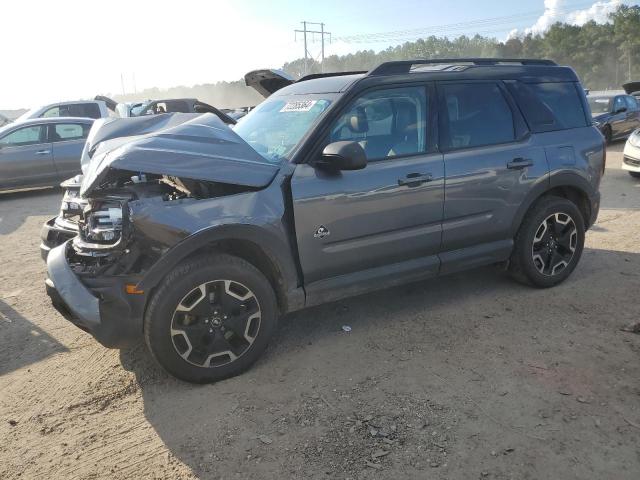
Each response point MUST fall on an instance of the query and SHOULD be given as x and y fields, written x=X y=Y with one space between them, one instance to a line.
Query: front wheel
x=211 y=318
x=549 y=243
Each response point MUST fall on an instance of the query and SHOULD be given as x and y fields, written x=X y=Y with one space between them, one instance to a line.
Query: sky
x=75 y=49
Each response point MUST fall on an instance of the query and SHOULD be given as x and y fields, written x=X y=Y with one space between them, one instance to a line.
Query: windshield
x=276 y=126
x=599 y=105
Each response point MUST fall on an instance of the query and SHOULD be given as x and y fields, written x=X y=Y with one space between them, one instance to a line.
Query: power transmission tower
x=304 y=32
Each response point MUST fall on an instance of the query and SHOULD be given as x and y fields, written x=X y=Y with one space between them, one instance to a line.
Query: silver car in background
x=42 y=151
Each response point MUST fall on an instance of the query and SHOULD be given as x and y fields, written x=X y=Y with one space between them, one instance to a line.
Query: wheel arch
x=566 y=185
x=264 y=250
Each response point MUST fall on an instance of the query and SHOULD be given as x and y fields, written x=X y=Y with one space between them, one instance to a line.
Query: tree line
x=603 y=55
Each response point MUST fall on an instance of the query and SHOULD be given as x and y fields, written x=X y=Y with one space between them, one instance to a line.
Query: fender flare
x=273 y=246
x=567 y=178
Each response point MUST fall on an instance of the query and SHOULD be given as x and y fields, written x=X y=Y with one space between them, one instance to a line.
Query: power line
x=460 y=26
x=322 y=34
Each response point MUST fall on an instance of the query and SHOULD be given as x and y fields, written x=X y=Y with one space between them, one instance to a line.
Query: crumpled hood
x=196 y=146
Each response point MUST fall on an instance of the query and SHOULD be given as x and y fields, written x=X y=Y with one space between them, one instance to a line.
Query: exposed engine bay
x=104 y=233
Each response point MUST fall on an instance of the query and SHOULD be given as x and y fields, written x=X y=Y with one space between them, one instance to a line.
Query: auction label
x=299 y=106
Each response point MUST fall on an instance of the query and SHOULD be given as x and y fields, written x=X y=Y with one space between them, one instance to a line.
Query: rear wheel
x=211 y=318
x=635 y=174
x=549 y=243
x=608 y=135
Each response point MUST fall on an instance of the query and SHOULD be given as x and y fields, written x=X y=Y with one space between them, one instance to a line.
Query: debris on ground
x=633 y=328
x=346 y=328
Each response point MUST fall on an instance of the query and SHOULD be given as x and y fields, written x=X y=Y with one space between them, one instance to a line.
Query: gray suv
x=198 y=236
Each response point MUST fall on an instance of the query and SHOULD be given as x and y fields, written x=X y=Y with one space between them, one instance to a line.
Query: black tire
x=635 y=174
x=202 y=283
x=544 y=256
x=608 y=135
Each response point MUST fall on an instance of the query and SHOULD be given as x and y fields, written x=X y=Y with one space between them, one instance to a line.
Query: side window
x=88 y=110
x=548 y=107
x=24 y=136
x=387 y=123
x=69 y=131
x=632 y=103
x=52 y=112
x=619 y=103
x=475 y=114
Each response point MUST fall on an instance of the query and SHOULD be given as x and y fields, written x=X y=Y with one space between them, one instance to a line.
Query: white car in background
x=631 y=155
x=82 y=108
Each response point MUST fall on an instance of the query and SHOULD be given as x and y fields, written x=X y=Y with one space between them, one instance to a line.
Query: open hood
x=195 y=146
x=266 y=82
x=111 y=104
x=631 y=87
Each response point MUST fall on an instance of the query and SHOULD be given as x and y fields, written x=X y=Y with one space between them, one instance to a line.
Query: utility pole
x=322 y=34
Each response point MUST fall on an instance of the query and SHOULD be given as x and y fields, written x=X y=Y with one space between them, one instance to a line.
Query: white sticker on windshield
x=298 y=106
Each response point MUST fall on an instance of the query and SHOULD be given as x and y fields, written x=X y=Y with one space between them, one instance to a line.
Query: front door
x=386 y=215
x=25 y=158
x=491 y=165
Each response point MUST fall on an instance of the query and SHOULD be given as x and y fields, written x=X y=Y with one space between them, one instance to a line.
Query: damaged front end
x=144 y=196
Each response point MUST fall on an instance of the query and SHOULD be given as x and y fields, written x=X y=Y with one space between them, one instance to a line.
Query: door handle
x=415 y=179
x=519 y=162
x=43 y=152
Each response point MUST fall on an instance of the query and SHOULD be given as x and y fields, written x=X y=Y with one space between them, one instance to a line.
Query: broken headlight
x=102 y=223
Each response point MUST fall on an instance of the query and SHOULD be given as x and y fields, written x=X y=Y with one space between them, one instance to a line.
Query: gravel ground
x=463 y=377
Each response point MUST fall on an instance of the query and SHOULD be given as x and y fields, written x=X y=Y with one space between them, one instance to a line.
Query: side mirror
x=621 y=110
x=343 y=156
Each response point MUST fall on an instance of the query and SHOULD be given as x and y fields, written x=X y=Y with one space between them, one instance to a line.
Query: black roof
x=525 y=70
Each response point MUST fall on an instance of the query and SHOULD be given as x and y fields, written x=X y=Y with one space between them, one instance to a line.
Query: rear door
x=491 y=164
x=67 y=140
x=26 y=158
x=388 y=213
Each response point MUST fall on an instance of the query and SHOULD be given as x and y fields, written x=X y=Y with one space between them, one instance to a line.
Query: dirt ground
x=464 y=377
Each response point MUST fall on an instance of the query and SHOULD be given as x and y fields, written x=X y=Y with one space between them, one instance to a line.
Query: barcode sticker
x=299 y=106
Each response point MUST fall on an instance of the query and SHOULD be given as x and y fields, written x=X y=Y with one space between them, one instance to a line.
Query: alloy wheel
x=215 y=323
x=554 y=244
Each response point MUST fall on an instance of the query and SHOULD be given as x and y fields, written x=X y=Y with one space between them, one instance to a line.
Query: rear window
x=89 y=110
x=549 y=106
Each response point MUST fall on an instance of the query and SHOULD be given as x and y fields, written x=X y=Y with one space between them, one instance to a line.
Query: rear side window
x=549 y=106
x=632 y=103
x=88 y=110
x=476 y=114
x=69 y=131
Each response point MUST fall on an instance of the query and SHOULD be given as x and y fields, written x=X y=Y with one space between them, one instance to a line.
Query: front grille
x=632 y=162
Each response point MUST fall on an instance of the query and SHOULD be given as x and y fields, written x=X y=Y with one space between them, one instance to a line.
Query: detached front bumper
x=99 y=306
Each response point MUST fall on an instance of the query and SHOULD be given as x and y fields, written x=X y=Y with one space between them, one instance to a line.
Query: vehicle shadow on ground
x=23 y=343
x=386 y=313
x=17 y=206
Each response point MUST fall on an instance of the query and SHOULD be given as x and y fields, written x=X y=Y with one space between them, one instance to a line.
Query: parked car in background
x=616 y=116
x=155 y=107
x=198 y=237
x=84 y=109
x=631 y=155
x=41 y=151
x=4 y=120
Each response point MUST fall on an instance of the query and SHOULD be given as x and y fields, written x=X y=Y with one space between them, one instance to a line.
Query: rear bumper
x=98 y=306
x=53 y=233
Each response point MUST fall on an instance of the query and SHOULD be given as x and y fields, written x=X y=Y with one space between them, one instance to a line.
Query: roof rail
x=404 y=66
x=311 y=76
